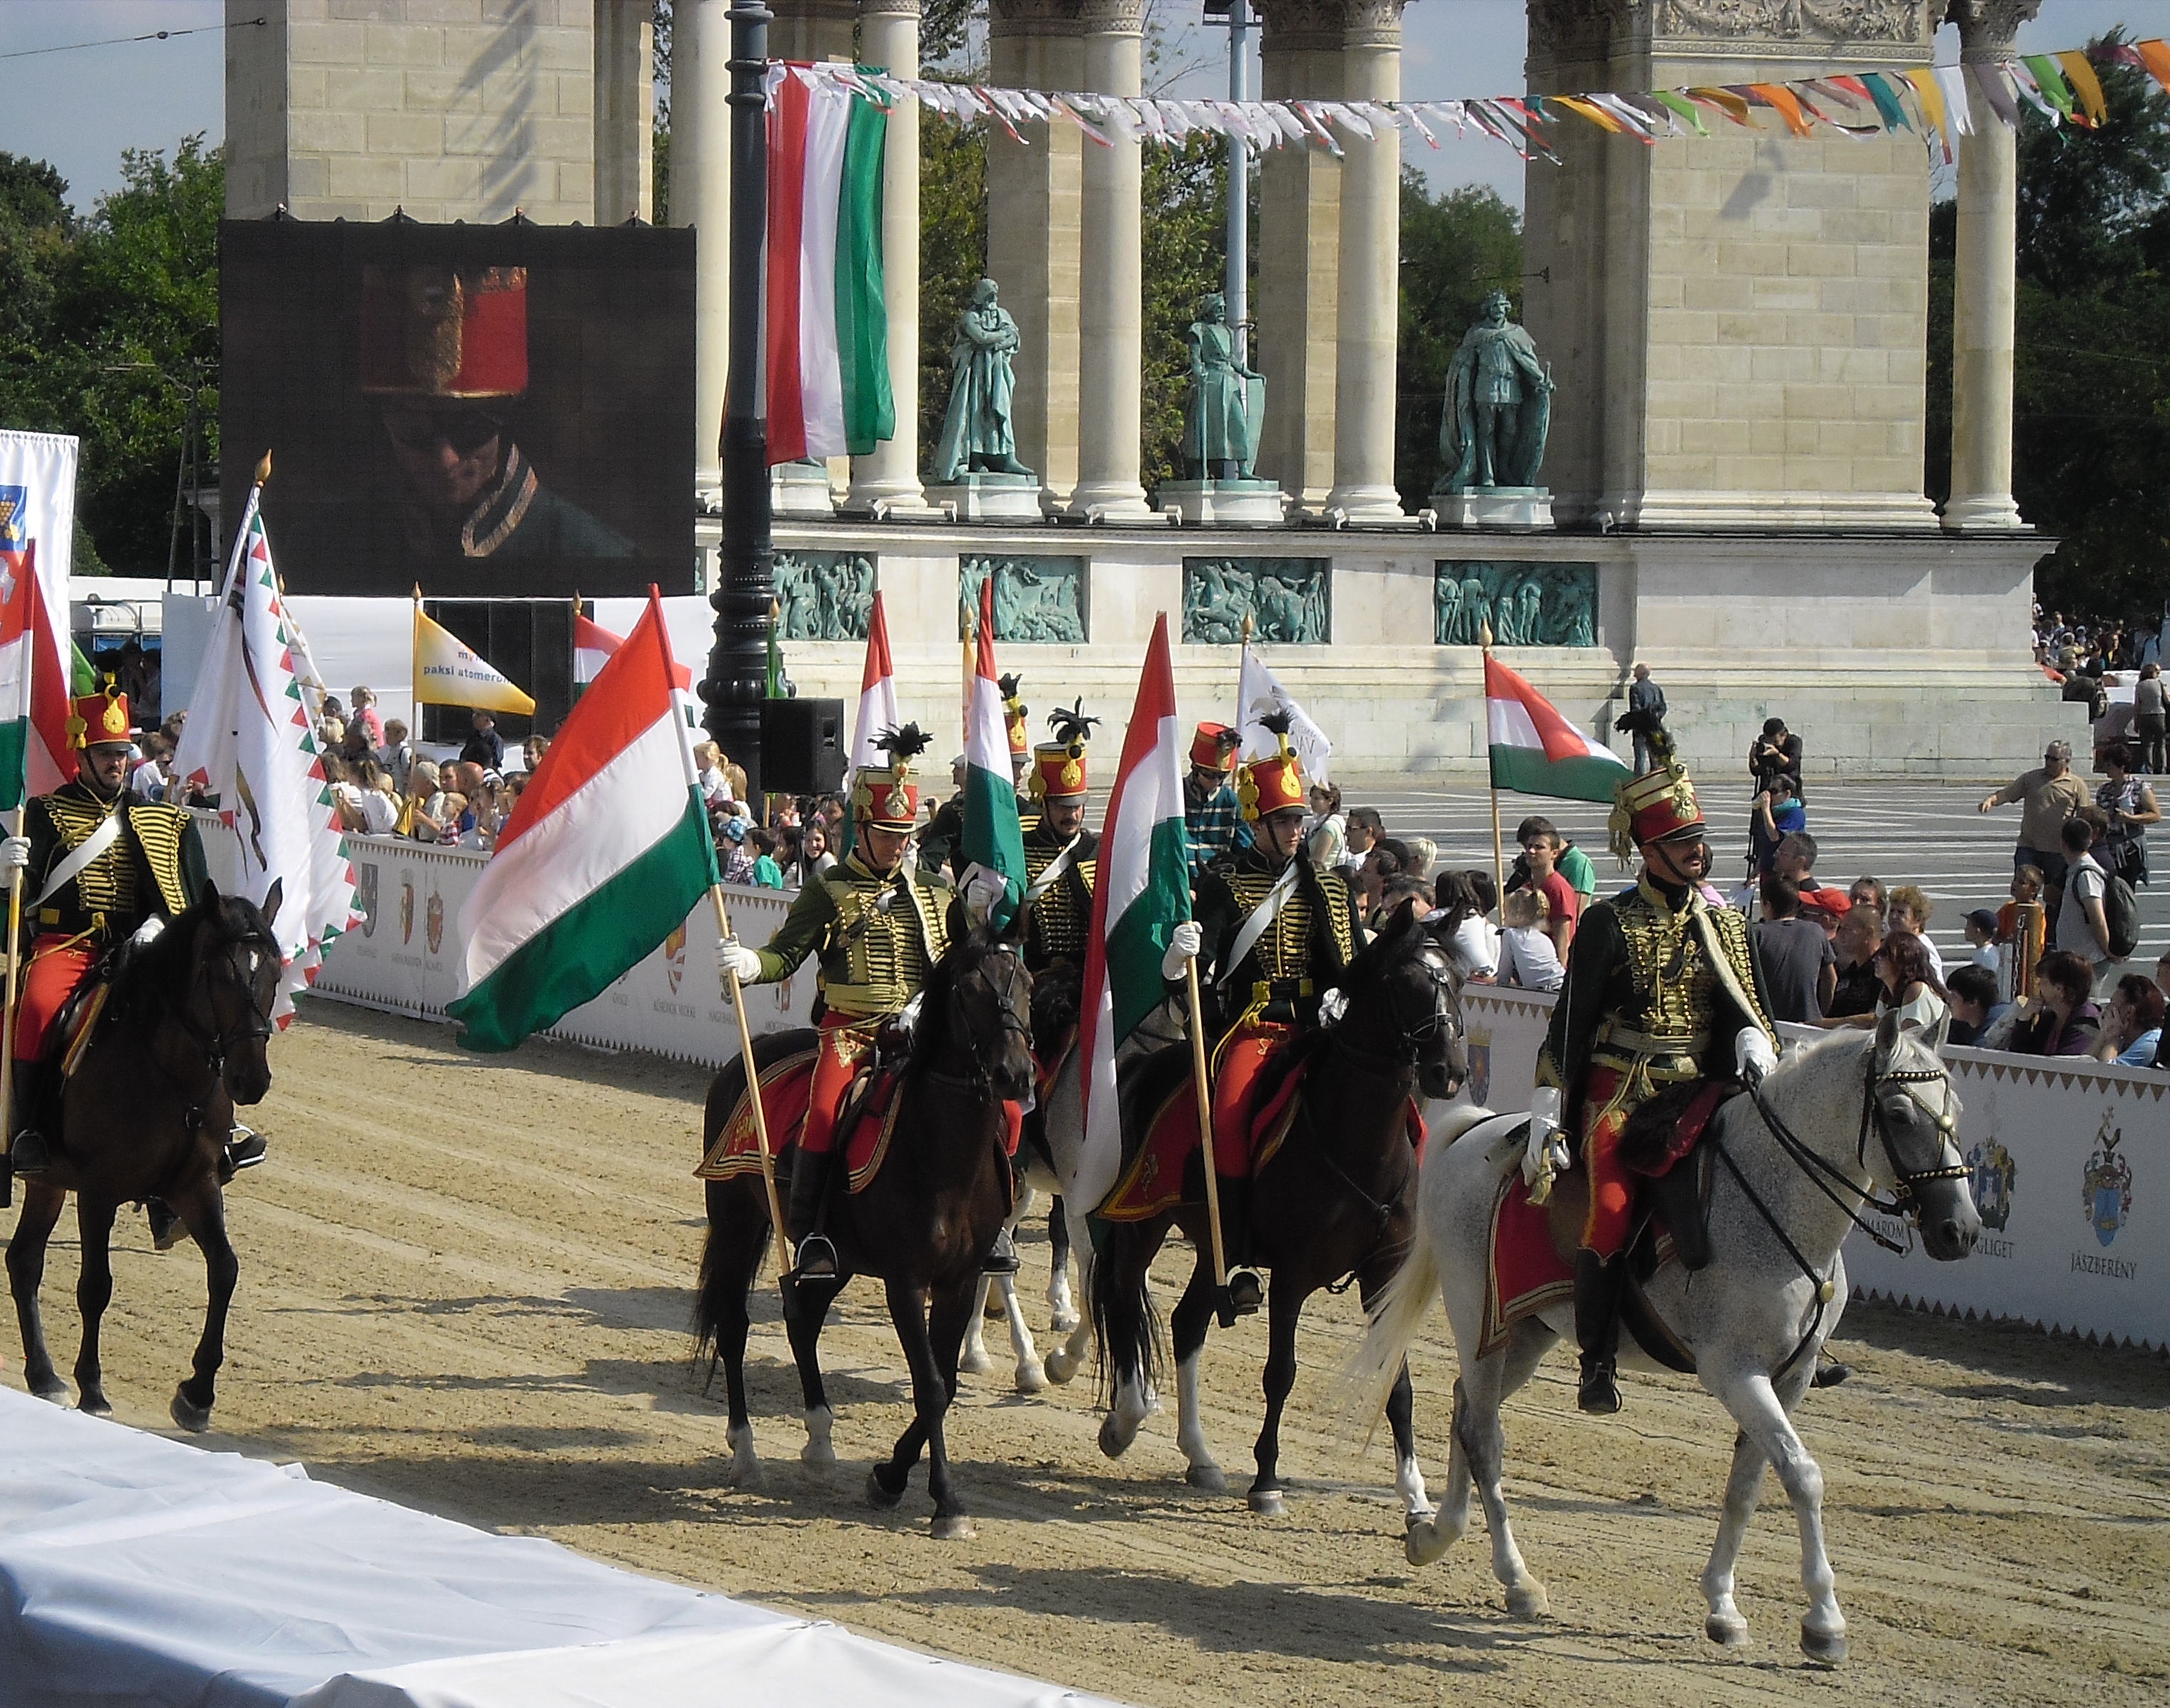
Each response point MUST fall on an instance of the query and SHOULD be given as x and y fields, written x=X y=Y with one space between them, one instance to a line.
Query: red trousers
x=1611 y=1188
x=846 y=1045
x=58 y=966
x=1242 y=1058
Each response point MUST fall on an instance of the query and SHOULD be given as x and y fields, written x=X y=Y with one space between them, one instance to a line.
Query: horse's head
x=233 y=981
x=980 y=1004
x=1403 y=994
x=1914 y=1111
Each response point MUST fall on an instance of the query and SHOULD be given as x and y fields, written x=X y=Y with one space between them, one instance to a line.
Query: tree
x=1457 y=247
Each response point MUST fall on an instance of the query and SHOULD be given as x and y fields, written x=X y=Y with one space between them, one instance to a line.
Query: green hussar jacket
x=1062 y=913
x=155 y=866
x=878 y=938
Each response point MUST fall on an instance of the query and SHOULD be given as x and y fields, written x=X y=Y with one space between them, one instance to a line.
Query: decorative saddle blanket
x=869 y=1121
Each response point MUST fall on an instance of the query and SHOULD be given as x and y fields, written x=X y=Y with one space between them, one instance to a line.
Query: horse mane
x=1401 y=938
x=155 y=977
x=965 y=952
x=1058 y=998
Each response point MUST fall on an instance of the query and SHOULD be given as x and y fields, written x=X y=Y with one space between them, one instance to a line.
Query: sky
x=79 y=109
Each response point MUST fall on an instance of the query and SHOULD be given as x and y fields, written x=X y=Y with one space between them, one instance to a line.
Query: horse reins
x=217 y=1045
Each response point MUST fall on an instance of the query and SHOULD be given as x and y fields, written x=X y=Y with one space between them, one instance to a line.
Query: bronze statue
x=1498 y=406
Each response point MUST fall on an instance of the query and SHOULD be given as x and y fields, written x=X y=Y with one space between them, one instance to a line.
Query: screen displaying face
x=502 y=411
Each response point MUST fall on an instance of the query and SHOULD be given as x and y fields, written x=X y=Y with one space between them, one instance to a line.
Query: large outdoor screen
x=485 y=410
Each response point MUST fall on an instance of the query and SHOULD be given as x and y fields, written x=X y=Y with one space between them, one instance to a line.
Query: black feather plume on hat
x=1276 y=721
x=906 y=742
x=1071 y=725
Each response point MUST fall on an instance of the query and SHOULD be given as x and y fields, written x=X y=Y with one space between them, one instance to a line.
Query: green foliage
x=108 y=327
x=945 y=26
x=1186 y=255
x=1457 y=247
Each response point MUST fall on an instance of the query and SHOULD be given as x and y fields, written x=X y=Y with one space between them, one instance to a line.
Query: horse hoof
x=1061 y=1367
x=956 y=1528
x=1211 y=1478
x=192 y=1416
x=94 y=1406
x=1115 y=1438
x=54 y=1393
x=1826 y=1648
x=1064 y=1322
x=1528 y=1601
x=1031 y=1378
x=1267 y=1503
x=1426 y=1542
x=817 y=1453
x=994 y=1311
x=878 y=1495
x=976 y=1362
x=1727 y=1629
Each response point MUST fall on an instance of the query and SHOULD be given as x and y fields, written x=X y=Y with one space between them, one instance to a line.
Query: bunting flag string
x=1932 y=102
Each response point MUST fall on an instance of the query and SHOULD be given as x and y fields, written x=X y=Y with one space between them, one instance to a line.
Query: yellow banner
x=449 y=672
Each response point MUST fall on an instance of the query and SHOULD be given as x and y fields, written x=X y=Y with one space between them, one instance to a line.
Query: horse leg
x=1743 y=1487
x=1480 y=1452
x=1284 y=1305
x=26 y=1271
x=945 y=1329
x=93 y=1292
x=201 y=1207
x=1123 y=1321
x=1031 y=1375
x=1067 y=1359
x=975 y=1360
x=802 y=1325
x=1757 y=1407
x=1062 y=1309
x=1401 y=1423
x=907 y=1310
x=1192 y=1322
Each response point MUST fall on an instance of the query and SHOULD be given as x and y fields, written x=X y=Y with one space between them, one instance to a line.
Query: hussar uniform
x=1058 y=870
x=1213 y=826
x=1660 y=990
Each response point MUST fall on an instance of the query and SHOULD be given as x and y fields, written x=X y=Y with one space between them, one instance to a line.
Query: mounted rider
x=103 y=866
x=1272 y=930
x=1059 y=851
x=879 y=923
x=1662 y=993
x=1213 y=824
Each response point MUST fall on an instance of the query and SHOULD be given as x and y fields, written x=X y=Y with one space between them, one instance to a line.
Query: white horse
x=1856 y=1116
x=997 y=1298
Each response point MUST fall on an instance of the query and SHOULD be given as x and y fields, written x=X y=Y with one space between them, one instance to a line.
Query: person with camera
x=1776 y=753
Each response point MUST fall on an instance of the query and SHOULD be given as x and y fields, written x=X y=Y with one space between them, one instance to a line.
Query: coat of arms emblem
x=406 y=911
x=1995 y=1175
x=1478 y=1052
x=674 y=958
x=364 y=895
x=2107 y=1195
x=435 y=921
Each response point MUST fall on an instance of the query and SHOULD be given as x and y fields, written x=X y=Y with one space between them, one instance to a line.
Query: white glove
x=733 y=956
x=983 y=891
x=1546 y=1154
x=14 y=858
x=1332 y=1005
x=907 y=1018
x=148 y=932
x=1751 y=1050
x=1184 y=943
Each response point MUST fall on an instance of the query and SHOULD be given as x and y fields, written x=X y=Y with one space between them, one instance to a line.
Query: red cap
x=1213 y=747
x=432 y=333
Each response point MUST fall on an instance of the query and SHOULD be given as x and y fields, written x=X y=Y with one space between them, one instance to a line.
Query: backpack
x=2121 y=914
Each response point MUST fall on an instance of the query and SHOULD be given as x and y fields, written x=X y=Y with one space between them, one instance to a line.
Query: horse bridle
x=217 y=1045
x=1411 y=1039
x=1006 y=1018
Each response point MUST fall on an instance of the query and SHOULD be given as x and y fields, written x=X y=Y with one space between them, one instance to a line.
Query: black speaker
x=802 y=746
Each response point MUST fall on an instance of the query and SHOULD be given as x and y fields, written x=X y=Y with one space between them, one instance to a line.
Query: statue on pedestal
x=976 y=435
x=1498 y=407
x=1226 y=406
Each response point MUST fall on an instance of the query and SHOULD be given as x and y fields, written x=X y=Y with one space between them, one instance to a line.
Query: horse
x=995 y=1297
x=924 y=1224
x=145 y=1114
x=1793 y=1165
x=1332 y=1200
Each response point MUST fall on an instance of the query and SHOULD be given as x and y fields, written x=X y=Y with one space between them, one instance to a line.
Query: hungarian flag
x=993 y=840
x=1141 y=892
x=1536 y=751
x=827 y=331
x=605 y=856
x=449 y=672
x=877 y=692
x=592 y=646
x=29 y=674
x=249 y=747
x=37 y=536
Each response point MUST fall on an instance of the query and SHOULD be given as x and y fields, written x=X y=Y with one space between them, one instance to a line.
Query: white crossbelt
x=95 y=843
x=1261 y=916
x=1052 y=875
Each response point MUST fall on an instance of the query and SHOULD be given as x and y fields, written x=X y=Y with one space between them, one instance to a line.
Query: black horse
x=147 y=1113
x=1334 y=1200
x=924 y=1224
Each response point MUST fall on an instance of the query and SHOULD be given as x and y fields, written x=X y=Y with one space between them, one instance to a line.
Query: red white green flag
x=993 y=840
x=827 y=330
x=1536 y=751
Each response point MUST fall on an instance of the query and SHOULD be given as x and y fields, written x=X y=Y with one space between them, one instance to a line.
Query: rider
x=1276 y=930
x=1663 y=989
x=1059 y=850
x=879 y=923
x=1212 y=819
x=103 y=865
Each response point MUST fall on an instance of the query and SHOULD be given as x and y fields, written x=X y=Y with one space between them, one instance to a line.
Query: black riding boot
x=810 y=1171
x=1597 y=1285
x=31 y=1153
x=1245 y=1291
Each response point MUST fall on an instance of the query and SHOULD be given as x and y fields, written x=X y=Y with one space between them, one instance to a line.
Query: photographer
x=1776 y=753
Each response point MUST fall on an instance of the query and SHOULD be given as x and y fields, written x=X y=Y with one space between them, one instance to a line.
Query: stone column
x=1111 y=293
x=701 y=197
x=625 y=110
x=1299 y=241
x=1984 y=285
x=813 y=30
x=1368 y=318
x=1034 y=231
x=889 y=40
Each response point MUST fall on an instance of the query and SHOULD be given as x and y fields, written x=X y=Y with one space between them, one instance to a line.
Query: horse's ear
x=1887 y=1033
x=272 y=898
x=209 y=897
x=958 y=924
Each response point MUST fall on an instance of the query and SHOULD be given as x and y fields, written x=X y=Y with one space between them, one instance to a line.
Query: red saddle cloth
x=1153 y=1181
x=1524 y=1273
x=785 y=1086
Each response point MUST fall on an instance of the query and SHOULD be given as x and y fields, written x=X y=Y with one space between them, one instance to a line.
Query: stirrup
x=1599 y=1391
x=817 y=1259
x=1244 y=1294
x=245 y=1149
x=29 y=1156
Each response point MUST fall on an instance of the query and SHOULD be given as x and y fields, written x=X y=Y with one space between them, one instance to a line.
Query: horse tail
x=1125 y=1327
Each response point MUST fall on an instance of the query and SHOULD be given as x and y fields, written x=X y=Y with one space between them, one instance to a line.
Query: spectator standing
x=1776 y=815
x=1212 y=822
x=1527 y=958
x=425 y=802
x=1908 y=910
x=1860 y=935
x=1868 y=889
x=1910 y=987
x=2048 y=795
x=2059 y=1020
x=1800 y=967
x=2132 y=1029
x=1460 y=927
x=1975 y=1002
x=2129 y=807
x=1777 y=752
x=397 y=755
x=2082 y=923
x=767 y=873
x=1646 y=697
x=2150 y=719
x=484 y=747
x=532 y=750
x=364 y=703
x=1563 y=906
x=1573 y=864
x=738 y=858
x=1329 y=843
x=1980 y=929
x=2025 y=916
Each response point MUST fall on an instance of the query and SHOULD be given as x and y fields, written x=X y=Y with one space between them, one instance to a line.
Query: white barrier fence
x=2071 y=1173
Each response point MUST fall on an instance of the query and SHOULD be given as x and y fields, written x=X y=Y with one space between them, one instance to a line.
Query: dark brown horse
x=924 y=1224
x=1333 y=1200
x=147 y=1114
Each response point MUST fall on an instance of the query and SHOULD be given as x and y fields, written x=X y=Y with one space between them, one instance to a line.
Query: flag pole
x=15 y=889
x=1198 y=1077
x=1498 y=845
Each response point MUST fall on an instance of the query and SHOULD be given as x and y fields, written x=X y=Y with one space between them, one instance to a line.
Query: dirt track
x=465 y=1287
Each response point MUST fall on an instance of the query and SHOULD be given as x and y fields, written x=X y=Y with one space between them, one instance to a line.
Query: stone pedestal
x=1523 y=508
x=1238 y=503
x=991 y=498
x=800 y=491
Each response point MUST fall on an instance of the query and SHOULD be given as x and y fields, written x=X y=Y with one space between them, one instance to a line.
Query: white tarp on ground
x=2071 y=1173
x=134 y=1569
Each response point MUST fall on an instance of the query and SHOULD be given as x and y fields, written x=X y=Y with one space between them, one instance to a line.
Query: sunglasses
x=465 y=432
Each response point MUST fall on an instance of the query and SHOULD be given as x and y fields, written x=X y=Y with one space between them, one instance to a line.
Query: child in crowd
x=1981 y=939
x=2026 y=887
x=1527 y=955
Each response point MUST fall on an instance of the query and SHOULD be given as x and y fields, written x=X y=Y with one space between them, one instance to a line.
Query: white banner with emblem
x=2071 y=1174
